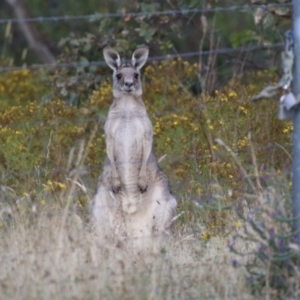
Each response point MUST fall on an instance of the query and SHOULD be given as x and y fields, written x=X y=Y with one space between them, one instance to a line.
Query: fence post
x=296 y=120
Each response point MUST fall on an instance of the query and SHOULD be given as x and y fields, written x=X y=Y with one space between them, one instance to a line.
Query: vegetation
x=228 y=160
x=69 y=262
x=38 y=136
x=53 y=151
x=165 y=34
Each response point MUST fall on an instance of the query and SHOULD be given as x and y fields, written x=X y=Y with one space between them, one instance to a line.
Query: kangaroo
x=133 y=199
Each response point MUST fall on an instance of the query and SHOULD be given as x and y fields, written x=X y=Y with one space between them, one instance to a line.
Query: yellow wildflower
x=206 y=236
x=238 y=224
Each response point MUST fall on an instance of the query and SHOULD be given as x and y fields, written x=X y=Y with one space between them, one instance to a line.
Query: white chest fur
x=128 y=125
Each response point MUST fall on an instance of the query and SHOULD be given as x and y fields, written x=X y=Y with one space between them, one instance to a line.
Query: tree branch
x=31 y=33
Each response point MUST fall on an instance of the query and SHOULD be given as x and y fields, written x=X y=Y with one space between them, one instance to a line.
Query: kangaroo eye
x=119 y=76
x=136 y=75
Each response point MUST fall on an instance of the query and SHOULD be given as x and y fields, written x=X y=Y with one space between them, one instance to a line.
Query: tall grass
x=36 y=265
x=54 y=252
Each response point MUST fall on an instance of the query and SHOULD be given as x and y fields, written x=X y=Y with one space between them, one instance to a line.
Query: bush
x=37 y=136
x=265 y=243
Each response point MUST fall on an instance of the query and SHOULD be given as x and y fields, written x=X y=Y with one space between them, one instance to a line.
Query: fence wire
x=150 y=59
x=92 y=17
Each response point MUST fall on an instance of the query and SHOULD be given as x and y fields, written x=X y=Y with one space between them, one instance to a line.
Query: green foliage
x=164 y=34
x=75 y=85
x=243 y=37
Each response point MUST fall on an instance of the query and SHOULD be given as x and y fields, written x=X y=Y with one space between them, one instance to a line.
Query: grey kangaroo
x=133 y=199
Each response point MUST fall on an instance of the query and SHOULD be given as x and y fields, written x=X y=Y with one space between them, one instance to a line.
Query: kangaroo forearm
x=146 y=155
x=110 y=153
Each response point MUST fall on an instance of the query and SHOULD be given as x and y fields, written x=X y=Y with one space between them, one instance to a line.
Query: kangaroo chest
x=128 y=128
x=129 y=133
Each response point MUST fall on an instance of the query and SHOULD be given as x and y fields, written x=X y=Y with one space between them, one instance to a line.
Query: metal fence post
x=296 y=120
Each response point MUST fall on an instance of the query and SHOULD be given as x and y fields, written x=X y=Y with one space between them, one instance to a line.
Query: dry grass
x=53 y=253
x=41 y=260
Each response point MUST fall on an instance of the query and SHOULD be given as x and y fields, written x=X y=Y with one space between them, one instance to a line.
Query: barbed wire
x=102 y=63
x=150 y=59
x=93 y=17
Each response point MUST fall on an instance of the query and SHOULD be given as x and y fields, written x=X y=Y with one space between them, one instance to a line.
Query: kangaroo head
x=126 y=76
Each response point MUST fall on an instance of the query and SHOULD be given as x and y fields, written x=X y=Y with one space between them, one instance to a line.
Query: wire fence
x=246 y=8
x=23 y=213
x=150 y=59
x=91 y=17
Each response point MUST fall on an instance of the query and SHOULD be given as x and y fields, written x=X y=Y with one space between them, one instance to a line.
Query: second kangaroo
x=133 y=197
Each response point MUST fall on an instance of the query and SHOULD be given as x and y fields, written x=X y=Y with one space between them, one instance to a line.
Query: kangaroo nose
x=128 y=84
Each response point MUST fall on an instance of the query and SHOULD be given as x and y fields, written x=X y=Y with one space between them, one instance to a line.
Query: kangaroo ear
x=112 y=58
x=139 y=57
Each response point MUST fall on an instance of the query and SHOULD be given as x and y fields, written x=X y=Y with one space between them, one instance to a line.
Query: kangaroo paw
x=116 y=189
x=142 y=184
x=116 y=185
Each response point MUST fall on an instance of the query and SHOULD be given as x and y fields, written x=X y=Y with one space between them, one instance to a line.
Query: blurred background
x=228 y=159
x=207 y=59
x=167 y=27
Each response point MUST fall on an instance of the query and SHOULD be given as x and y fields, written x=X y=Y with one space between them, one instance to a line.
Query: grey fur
x=133 y=198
